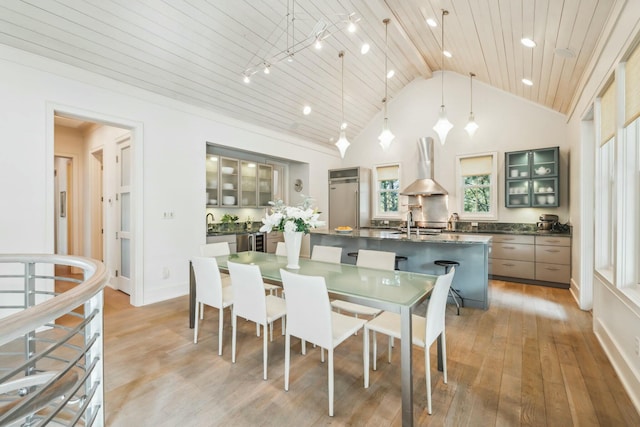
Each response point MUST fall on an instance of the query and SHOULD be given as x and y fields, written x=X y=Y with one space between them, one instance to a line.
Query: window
x=387 y=191
x=478 y=187
x=605 y=218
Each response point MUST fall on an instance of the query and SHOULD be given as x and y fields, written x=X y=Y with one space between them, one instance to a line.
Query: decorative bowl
x=227 y=170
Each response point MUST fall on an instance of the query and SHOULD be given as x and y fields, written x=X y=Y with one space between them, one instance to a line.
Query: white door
x=123 y=200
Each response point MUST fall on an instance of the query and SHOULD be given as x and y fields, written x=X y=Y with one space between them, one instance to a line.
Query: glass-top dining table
x=395 y=291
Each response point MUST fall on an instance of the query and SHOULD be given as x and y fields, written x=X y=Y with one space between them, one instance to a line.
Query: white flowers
x=291 y=218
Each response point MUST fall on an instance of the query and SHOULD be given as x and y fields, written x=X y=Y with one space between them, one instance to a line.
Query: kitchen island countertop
x=370 y=233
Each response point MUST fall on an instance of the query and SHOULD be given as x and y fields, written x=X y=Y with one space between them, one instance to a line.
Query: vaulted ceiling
x=197 y=51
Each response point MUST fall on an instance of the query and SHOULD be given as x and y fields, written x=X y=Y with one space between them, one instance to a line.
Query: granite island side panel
x=470 y=250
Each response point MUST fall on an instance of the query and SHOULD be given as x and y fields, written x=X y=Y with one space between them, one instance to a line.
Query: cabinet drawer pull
x=552 y=268
x=509 y=265
x=508 y=238
x=508 y=247
x=553 y=240
x=552 y=250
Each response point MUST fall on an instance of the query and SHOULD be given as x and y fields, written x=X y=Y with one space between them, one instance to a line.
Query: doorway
x=106 y=199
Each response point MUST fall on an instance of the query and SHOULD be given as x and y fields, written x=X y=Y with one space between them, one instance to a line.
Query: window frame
x=493 y=188
x=377 y=214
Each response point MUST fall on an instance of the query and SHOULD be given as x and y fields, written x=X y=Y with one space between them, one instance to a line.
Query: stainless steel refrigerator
x=349 y=198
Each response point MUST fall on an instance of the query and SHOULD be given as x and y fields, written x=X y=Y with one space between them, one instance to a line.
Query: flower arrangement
x=291 y=218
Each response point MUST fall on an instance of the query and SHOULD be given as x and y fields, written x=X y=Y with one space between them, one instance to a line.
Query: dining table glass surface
x=366 y=285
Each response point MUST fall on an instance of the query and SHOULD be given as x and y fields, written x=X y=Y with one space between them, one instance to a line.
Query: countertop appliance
x=547 y=222
x=251 y=242
x=349 y=197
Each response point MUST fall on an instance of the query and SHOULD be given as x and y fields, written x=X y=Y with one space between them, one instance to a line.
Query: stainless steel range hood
x=425 y=185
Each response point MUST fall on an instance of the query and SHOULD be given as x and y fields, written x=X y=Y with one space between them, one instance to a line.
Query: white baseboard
x=630 y=379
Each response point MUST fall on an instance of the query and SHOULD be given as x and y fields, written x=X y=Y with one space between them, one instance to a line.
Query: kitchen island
x=470 y=250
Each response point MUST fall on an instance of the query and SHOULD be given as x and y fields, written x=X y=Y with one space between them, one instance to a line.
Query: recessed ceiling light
x=390 y=74
x=266 y=69
x=527 y=82
x=306 y=110
x=352 y=27
x=432 y=22
x=447 y=54
x=365 y=48
x=246 y=79
x=526 y=41
x=318 y=44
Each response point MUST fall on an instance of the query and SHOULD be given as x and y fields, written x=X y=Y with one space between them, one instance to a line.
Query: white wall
x=173 y=161
x=507 y=123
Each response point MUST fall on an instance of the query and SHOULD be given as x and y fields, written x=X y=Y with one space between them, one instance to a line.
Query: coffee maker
x=547 y=222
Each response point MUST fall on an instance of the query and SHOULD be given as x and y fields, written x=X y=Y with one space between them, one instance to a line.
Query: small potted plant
x=227 y=221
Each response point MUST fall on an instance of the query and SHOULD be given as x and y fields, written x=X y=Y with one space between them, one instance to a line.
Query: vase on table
x=293 y=241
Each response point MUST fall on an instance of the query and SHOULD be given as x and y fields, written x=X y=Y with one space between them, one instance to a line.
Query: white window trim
x=493 y=203
x=374 y=176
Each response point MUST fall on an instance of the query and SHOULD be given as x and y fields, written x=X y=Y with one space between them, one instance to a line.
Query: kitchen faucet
x=409 y=221
x=210 y=224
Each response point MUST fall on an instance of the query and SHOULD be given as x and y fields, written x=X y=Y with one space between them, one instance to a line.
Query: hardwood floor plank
x=531 y=359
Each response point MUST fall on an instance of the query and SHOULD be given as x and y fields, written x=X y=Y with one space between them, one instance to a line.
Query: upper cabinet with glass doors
x=212 y=180
x=532 y=178
x=237 y=183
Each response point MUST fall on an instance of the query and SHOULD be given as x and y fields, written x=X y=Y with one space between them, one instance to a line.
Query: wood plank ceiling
x=196 y=51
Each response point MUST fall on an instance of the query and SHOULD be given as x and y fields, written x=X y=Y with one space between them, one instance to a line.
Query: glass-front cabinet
x=229 y=173
x=212 y=180
x=532 y=178
x=248 y=176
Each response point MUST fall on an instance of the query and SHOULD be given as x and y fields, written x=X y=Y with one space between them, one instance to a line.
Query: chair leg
x=303 y=345
x=390 y=347
x=427 y=369
x=201 y=311
x=375 y=350
x=330 y=351
x=444 y=357
x=257 y=330
x=321 y=354
x=365 y=356
x=287 y=360
x=234 y=324
x=195 y=323
x=220 y=327
x=265 y=352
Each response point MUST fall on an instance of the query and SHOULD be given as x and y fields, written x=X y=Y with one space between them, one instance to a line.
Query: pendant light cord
x=444 y=12
x=471 y=76
x=342 y=89
x=386 y=55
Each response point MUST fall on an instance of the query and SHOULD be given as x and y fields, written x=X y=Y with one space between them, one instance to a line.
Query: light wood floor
x=531 y=359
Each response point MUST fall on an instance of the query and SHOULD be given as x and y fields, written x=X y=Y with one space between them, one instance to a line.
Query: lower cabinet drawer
x=553 y=254
x=521 y=269
x=514 y=251
x=553 y=272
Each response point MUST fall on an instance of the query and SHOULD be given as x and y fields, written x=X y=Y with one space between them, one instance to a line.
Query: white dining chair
x=331 y=254
x=217 y=249
x=281 y=249
x=381 y=260
x=251 y=303
x=425 y=330
x=209 y=291
x=310 y=318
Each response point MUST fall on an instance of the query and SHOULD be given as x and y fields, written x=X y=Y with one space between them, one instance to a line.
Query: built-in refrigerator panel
x=349 y=196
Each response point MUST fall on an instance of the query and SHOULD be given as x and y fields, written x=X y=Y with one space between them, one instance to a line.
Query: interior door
x=123 y=198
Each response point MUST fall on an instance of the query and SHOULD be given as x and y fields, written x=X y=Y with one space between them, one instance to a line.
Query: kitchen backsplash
x=486 y=227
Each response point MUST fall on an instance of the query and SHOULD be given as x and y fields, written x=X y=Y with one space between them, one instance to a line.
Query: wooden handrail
x=30 y=319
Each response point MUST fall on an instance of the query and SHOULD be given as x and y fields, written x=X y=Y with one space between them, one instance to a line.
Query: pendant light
x=471 y=126
x=443 y=125
x=342 y=143
x=385 y=136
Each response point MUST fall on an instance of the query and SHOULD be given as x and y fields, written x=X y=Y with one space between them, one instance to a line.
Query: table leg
x=192 y=295
x=406 y=361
